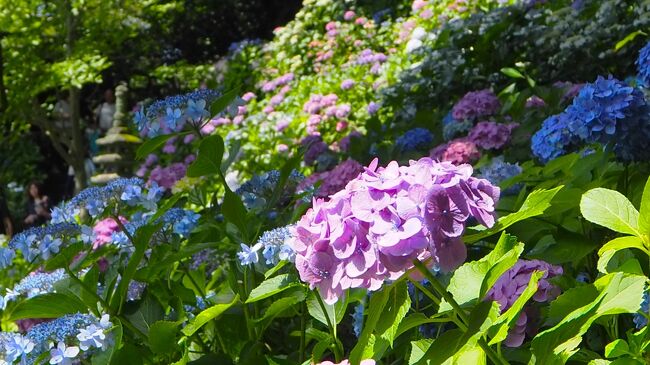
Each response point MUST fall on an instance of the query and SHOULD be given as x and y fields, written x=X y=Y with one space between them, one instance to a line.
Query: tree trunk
x=77 y=149
x=3 y=91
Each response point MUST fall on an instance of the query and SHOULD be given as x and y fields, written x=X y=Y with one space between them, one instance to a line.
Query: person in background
x=105 y=111
x=6 y=225
x=38 y=206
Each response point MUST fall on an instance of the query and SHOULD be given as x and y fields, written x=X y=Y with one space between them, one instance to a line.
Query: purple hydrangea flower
x=476 y=104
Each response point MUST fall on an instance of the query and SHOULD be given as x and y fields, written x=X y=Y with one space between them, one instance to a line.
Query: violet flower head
x=511 y=285
x=491 y=135
x=457 y=151
x=385 y=218
x=476 y=104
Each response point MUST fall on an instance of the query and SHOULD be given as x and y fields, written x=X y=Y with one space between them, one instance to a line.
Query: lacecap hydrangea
x=386 y=218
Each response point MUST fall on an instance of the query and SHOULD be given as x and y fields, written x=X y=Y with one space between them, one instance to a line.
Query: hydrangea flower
x=553 y=139
x=172 y=113
x=259 y=190
x=641 y=320
x=491 y=135
x=18 y=347
x=511 y=285
x=39 y=243
x=373 y=229
x=275 y=247
x=414 y=139
x=452 y=128
x=498 y=171
x=643 y=64
x=476 y=104
x=458 y=151
x=332 y=181
x=248 y=255
x=35 y=284
x=62 y=354
x=346 y=362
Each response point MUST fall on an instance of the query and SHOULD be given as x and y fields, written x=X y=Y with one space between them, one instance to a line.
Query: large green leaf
x=151 y=145
x=334 y=311
x=105 y=357
x=51 y=305
x=222 y=103
x=610 y=209
x=644 y=214
x=206 y=316
x=162 y=337
x=235 y=212
x=272 y=286
x=535 y=204
x=619 y=293
x=472 y=280
x=208 y=161
x=610 y=248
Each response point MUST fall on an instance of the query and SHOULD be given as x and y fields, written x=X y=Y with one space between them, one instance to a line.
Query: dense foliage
x=396 y=182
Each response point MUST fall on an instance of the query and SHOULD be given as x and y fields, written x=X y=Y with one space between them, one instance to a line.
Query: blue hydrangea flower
x=248 y=255
x=639 y=319
x=186 y=224
x=18 y=347
x=553 y=139
x=173 y=119
x=357 y=319
x=63 y=355
x=452 y=128
x=257 y=191
x=36 y=284
x=414 y=140
x=196 y=110
x=49 y=246
x=43 y=241
x=275 y=248
x=643 y=64
x=498 y=171
x=7 y=256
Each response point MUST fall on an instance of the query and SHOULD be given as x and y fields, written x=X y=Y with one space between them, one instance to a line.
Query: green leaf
x=272 y=286
x=208 y=161
x=334 y=311
x=418 y=349
x=619 y=293
x=235 y=212
x=206 y=316
x=511 y=72
x=571 y=300
x=616 y=348
x=222 y=103
x=535 y=204
x=51 y=305
x=233 y=151
x=151 y=145
x=628 y=38
x=278 y=307
x=610 y=209
x=644 y=214
x=470 y=282
x=141 y=242
x=621 y=243
x=509 y=317
x=394 y=312
x=375 y=310
x=162 y=337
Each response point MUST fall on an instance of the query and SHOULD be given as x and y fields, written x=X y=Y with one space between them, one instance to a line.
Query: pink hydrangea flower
x=104 y=229
x=457 y=151
x=349 y=15
x=491 y=135
x=386 y=217
x=511 y=285
x=248 y=96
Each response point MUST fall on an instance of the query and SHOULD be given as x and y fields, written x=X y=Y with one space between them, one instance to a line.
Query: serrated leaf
x=206 y=316
x=610 y=209
x=535 y=204
x=644 y=214
x=272 y=286
x=467 y=282
x=616 y=348
x=51 y=305
x=162 y=337
x=208 y=161
x=619 y=293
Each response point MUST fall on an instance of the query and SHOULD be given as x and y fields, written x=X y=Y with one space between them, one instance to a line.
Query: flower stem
x=337 y=351
x=462 y=316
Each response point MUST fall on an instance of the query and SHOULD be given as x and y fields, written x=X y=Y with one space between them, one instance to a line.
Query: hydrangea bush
x=404 y=185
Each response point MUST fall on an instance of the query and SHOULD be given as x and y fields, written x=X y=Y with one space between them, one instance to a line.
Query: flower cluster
x=258 y=191
x=457 y=151
x=643 y=65
x=34 y=284
x=277 y=82
x=333 y=180
x=498 y=171
x=491 y=135
x=88 y=334
x=510 y=286
x=274 y=248
x=41 y=243
x=452 y=128
x=384 y=219
x=414 y=139
x=605 y=111
x=369 y=57
x=476 y=104
x=314 y=148
x=172 y=113
x=324 y=108
x=104 y=229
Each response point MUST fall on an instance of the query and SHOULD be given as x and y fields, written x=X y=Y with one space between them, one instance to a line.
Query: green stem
x=123 y=320
x=463 y=318
x=303 y=330
x=337 y=352
x=251 y=331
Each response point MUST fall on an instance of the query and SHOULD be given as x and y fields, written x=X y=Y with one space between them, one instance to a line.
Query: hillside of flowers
x=382 y=183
